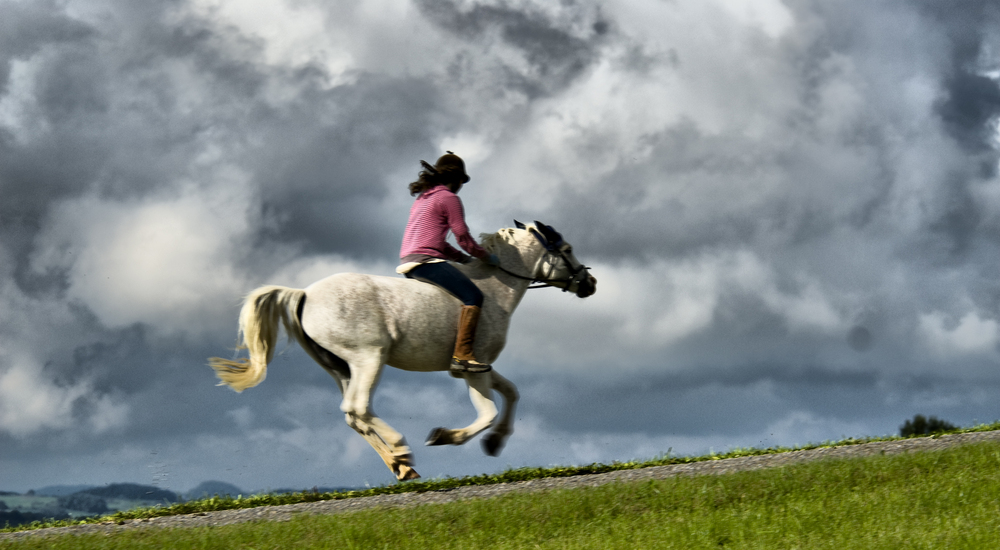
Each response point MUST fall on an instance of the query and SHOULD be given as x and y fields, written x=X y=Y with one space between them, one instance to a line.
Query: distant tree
x=925 y=426
x=3 y=505
x=83 y=502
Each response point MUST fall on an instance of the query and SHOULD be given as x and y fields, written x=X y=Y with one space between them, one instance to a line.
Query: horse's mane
x=492 y=241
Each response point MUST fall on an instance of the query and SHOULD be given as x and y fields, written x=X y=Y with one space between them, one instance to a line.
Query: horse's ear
x=519 y=225
x=540 y=237
x=551 y=235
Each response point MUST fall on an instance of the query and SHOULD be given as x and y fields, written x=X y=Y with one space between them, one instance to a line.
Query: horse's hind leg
x=494 y=441
x=481 y=395
x=363 y=429
x=387 y=442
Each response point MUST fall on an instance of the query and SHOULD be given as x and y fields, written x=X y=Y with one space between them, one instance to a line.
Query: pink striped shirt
x=435 y=212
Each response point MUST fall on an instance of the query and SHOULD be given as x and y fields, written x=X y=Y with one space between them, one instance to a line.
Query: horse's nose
x=588 y=288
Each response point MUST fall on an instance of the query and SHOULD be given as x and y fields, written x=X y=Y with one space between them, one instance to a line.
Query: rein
x=532 y=279
x=548 y=282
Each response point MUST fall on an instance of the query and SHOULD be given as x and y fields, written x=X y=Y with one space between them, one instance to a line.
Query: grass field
x=938 y=499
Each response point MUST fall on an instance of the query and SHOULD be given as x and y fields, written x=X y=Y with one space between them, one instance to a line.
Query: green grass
x=518 y=474
x=936 y=499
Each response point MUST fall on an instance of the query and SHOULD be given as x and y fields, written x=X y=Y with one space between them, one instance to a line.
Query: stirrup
x=468 y=365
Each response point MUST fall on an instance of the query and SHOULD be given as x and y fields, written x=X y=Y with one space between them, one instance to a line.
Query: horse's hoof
x=492 y=444
x=405 y=473
x=438 y=436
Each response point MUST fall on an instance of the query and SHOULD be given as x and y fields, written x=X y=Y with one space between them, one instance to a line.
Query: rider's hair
x=427 y=179
x=449 y=169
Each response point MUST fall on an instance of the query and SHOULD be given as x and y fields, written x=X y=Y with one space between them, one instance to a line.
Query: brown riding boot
x=463 y=360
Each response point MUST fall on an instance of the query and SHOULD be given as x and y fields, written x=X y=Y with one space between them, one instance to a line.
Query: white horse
x=354 y=324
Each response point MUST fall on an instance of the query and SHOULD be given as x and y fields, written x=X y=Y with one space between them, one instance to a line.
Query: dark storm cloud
x=747 y=401
x=726 y=166
x=320 y=180
x=25 y=27
x=124 y=108
x=112 y=116
x=31 y=176
x=555 y=55
x=972 y=101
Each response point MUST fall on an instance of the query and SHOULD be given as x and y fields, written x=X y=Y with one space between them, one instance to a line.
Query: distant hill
x=61 y=490
x=208 y=489
x=14 y=518
x=11 y=493
x=84 y=502
x=134 y=491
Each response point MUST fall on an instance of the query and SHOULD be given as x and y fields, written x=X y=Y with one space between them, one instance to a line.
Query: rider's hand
x=493 y=260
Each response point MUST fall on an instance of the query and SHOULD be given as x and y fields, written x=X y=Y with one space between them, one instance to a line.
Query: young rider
x=424 y=253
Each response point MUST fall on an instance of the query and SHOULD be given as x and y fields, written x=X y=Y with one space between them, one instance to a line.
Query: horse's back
x=411 y=322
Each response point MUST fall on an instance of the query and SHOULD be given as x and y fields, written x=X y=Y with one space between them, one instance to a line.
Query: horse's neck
x=507 y=290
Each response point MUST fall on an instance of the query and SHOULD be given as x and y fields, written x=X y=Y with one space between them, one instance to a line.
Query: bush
x=925 y=426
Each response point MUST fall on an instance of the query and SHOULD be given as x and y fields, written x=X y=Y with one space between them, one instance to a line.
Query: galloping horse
x=354 y=324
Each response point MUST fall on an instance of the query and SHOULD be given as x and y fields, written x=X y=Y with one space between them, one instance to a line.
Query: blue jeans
x=449 y=278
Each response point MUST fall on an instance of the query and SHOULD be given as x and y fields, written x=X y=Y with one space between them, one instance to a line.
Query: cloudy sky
x=792 y=208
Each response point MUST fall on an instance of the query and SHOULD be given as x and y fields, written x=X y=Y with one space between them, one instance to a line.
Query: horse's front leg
x=481 y=395
x=494 y=441
x=387 y=442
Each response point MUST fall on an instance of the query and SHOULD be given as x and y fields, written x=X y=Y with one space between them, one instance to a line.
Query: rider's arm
x=455 y=215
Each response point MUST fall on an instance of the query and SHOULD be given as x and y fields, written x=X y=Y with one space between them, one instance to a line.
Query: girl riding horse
x=424 y=253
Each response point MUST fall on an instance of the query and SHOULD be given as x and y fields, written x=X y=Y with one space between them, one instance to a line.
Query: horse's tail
x=259 y=318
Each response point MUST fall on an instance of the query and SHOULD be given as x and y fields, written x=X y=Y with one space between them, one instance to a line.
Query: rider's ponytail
x=449 y=169
x=426 y=179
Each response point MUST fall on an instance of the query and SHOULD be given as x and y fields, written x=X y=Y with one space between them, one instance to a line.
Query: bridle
x=554 y=246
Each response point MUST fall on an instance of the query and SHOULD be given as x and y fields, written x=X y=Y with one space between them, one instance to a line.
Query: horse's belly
x=426 y=345
x=413 y=322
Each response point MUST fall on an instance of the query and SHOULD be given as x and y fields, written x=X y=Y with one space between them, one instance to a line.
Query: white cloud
x=303 y=271
x=771 y=16
x=291 y=34
x=166 y=261
x=970 y=335
x=30 y=402
x=648 y=308
x=18 y=109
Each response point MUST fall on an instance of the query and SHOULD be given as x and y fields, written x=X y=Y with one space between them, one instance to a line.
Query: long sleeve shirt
x=435 y=212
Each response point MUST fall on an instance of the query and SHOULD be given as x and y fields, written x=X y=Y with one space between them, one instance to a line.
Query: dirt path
x=710 y=467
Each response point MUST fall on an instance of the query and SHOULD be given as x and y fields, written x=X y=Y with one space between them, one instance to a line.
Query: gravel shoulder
x=710 y=467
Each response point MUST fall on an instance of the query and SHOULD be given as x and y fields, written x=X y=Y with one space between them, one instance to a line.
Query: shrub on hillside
x=925 y=426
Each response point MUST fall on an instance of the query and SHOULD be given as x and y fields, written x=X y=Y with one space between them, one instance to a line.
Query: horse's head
x=558 y=266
